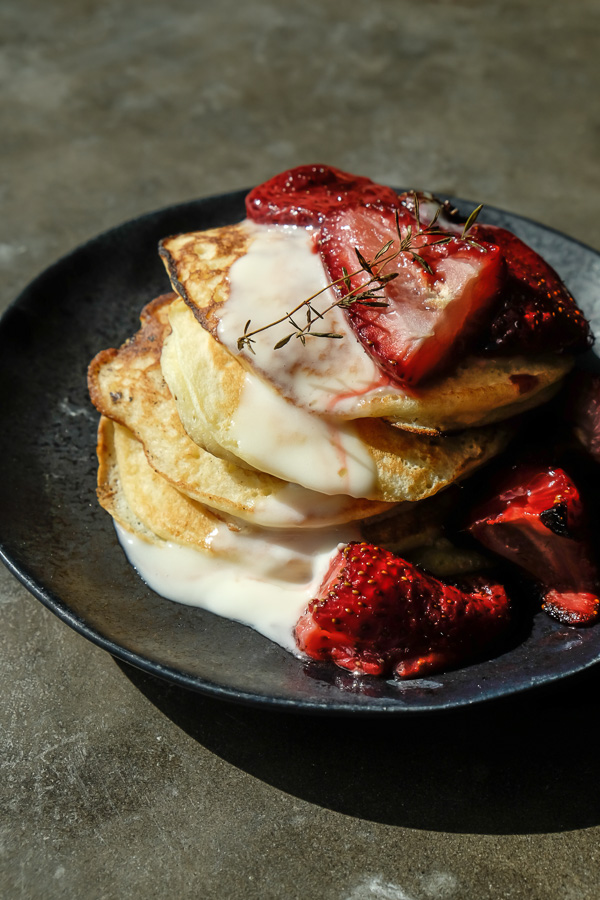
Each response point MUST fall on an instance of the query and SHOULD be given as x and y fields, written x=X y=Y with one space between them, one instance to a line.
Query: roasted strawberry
x=306 y=194
x=572 y=607
x=536 y=312
x=377 y=613
x=536 y=520
x=436 y=300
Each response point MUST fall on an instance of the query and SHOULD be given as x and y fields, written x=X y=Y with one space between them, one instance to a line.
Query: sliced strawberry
x=306 y=194
x=430 y=315
x=376 y=613
x=536 y=520
x=536 y=313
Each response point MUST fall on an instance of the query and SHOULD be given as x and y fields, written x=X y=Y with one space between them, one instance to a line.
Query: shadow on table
x=524 y=765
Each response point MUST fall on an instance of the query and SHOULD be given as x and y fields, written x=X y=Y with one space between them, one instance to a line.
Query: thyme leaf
x=471 y=220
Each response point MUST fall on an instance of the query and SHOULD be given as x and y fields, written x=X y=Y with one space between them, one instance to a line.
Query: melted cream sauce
x=294 y=506
x=280 y=270
x=277 y=437
x=264 y=580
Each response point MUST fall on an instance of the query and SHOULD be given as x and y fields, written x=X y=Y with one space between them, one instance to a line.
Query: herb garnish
x=367 y=294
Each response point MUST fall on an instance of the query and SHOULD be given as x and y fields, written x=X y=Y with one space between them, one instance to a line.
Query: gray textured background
x=114 y=785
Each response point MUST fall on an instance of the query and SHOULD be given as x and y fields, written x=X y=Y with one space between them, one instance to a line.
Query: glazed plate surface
x=57 y=540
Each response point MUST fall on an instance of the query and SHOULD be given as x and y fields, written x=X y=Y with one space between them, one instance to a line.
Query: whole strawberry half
x=377 y=613
x=306 y=194
x=439 y=296
x=536 y=520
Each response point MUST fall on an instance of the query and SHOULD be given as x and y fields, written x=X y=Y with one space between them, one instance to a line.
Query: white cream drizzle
x=277 y=437
x=326 y=376
x=264 y=580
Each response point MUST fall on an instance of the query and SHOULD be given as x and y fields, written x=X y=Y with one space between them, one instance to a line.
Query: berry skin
x=488 y=294
x=536 y=313
x=377 y=613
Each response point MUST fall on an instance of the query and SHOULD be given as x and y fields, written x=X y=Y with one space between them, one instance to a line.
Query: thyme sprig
x=369 y=293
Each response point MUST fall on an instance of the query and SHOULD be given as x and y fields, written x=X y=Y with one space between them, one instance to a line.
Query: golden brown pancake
x=198 y=264
x=147 y=505
x=109 y=491
x=126 y=480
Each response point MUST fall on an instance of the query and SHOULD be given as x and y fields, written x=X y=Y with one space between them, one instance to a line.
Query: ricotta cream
x=277 y=437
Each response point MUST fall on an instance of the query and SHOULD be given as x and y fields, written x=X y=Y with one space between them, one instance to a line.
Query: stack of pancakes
x=174 y=403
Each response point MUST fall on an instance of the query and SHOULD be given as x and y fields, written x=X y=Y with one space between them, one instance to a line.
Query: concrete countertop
x=114 y=784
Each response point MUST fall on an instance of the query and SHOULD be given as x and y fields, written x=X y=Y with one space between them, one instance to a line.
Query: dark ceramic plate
x=55 y=538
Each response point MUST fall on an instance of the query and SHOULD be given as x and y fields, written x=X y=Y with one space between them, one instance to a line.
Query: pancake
x=247 y=271
x=198 y=264
x=109 y=490
x=147 y=505
x=164 y=510
x=218 y=401
x=127 y=386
